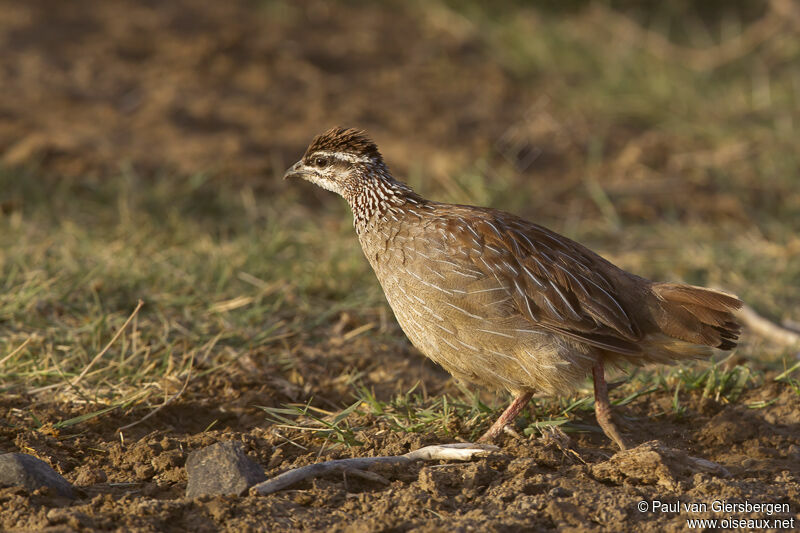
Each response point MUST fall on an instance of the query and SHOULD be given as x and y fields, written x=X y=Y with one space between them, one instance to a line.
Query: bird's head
x=340 y=160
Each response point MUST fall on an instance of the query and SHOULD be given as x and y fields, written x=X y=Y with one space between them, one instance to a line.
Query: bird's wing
x=556 y=283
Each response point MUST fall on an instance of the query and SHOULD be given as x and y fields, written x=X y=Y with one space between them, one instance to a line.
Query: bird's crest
x=345 y=140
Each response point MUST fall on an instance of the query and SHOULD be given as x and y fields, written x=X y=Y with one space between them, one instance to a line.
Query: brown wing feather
x=557 y=283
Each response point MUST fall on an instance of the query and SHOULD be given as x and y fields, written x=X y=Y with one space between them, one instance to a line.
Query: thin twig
x=461 y=451
x=108 y=346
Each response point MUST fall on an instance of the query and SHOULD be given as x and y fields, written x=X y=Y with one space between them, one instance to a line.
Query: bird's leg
x=602 y=407
x=508 y=416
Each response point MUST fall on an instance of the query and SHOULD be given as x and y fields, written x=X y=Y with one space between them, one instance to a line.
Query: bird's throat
x=378 y=200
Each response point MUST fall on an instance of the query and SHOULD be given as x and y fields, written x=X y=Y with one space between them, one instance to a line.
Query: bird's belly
x=485 y=343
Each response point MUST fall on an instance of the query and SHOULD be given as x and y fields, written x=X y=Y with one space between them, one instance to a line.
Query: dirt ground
x=538 y=484
x=90 y=87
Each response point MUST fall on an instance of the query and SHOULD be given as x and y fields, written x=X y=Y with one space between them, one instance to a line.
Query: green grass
x=219 y=276
x=671 y=172
x=222 y=275
x=450 y=417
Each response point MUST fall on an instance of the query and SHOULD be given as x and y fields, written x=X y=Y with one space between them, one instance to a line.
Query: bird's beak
x=295 y=171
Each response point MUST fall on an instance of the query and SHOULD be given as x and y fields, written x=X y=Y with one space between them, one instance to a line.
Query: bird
x=504 y=303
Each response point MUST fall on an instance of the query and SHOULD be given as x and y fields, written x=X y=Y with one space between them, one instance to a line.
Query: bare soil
x=137 y=481
x=87 y=88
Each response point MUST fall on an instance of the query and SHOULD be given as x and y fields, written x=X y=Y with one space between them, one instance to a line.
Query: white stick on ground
x=766 y=329
x=461 y=451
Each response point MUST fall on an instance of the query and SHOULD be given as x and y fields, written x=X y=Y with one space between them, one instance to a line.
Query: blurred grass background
x=664 y=136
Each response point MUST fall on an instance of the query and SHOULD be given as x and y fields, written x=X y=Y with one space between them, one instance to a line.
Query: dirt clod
x=653 y=463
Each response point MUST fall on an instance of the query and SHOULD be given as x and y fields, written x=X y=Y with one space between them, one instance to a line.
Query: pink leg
x=602 y=408
x=508 y=416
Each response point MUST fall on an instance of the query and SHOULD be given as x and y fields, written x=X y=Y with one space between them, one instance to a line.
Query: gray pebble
x=23 y=470
x=222 y=468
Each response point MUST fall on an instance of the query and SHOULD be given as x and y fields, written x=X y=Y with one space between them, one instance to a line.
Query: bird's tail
x=697 y=315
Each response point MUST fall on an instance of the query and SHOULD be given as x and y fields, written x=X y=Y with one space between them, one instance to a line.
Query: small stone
x=222 y=468
x=23 y=470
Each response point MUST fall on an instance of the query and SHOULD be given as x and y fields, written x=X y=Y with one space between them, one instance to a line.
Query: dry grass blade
x=15 y=351
x=166 y=402
x=102 y=352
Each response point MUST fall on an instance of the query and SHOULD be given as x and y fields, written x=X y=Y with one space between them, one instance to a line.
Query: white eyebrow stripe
x=343 y=156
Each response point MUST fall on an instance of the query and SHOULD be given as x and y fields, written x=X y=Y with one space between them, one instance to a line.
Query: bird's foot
x=602 y=408
x=506 y=418
x=610 y=428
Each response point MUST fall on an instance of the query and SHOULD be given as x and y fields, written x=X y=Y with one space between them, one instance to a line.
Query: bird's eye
x=321 y=162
